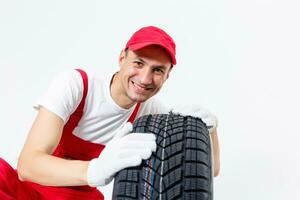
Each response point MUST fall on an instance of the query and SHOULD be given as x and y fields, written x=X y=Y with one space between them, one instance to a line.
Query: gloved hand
x=124 y=150
x=208 y=118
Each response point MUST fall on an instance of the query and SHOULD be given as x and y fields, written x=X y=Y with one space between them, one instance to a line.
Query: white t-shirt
x=102 y=116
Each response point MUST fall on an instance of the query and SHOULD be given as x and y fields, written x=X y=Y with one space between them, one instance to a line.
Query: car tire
x=181 y=167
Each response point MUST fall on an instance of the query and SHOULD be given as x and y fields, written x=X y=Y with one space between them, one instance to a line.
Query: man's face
x=143 y=72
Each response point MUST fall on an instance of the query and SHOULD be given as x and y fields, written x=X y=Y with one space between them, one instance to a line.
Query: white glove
x=124 y=150
x=208 y=118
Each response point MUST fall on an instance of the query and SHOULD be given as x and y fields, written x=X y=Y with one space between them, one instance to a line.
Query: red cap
x=152 y=35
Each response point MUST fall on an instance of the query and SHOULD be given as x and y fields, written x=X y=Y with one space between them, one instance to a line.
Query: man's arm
x=36 y=163
x=216 y=152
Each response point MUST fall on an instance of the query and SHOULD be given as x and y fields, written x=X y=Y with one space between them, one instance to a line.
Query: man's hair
x=127 y=50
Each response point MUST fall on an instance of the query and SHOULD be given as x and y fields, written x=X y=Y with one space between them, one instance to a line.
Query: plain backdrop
x=238 y=59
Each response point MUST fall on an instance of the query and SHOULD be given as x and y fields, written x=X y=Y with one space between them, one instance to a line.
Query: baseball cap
x=151 y=35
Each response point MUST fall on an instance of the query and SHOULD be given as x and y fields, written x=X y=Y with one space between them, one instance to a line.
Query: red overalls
x=69 y=147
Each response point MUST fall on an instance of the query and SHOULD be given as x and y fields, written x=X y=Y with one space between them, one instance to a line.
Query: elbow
x=216 y=171
x=22 y=170
x=20 y=176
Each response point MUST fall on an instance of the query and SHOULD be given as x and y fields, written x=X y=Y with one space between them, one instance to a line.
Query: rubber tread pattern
x=187 y=164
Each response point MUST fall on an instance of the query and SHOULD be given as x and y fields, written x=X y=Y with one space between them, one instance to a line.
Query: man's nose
x=146 y=76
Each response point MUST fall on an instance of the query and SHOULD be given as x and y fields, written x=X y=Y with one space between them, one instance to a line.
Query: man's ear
x=169 y=71
x=122 y=57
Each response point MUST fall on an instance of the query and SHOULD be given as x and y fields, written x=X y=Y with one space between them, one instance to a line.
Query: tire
x=181 y=167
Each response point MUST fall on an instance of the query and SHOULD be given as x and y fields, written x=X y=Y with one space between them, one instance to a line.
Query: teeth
x=139 y=87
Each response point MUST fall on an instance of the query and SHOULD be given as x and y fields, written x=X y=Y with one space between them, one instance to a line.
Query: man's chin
x=140 y=98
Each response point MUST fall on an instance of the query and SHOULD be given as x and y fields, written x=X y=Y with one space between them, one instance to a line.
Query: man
x=80 y=137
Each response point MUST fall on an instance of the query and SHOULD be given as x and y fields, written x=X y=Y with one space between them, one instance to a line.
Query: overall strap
x=79 y=110
x=77 y=114
x=68 y=142
x=134 y=113
x=85 y=90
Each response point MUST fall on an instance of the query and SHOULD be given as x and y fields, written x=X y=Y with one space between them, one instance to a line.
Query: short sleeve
x=63 y=95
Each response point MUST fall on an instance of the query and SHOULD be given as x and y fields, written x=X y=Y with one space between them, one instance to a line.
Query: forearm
x=49 y=170
x=216 y=152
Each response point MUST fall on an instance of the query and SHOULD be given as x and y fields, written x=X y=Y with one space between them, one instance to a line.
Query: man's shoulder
x=75 y=74
x=96 y=75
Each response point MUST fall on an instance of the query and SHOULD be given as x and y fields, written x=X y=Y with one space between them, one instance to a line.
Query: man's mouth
x=140 y=88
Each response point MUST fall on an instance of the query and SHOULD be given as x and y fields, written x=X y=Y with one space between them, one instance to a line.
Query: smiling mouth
x=141 y=88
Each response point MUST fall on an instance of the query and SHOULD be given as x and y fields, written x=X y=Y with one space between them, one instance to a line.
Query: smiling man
x=80 y=138
x=142 y=74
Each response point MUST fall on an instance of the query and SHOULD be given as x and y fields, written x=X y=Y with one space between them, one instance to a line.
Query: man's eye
x=158 y=70
x=140 y=64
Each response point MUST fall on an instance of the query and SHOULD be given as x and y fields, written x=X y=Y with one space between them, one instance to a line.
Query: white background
x=239 y=59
